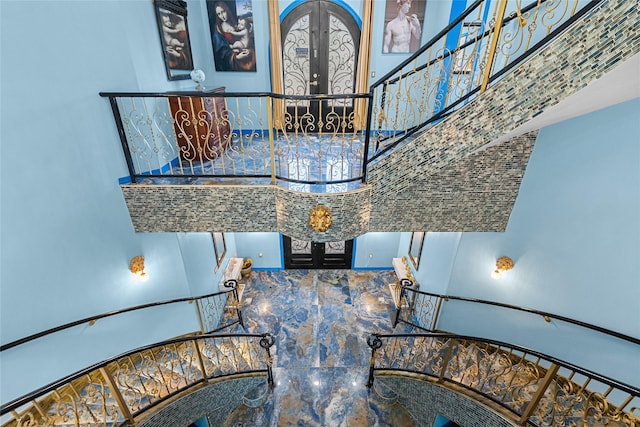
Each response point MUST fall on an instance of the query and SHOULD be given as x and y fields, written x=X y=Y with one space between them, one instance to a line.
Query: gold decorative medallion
x=320 y=218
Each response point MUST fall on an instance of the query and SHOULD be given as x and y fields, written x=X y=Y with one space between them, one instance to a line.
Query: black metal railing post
x=367 y=137
x=267 y=342
x=123 y=137
x=233 y=285
x=404 y=284
x=375 y=343
x=399 y=307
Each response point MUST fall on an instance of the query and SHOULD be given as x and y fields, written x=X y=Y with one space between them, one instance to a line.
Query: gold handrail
x=494 y=42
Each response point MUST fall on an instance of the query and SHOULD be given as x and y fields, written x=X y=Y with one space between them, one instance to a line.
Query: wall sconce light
x=137 y=268
x=503 y=264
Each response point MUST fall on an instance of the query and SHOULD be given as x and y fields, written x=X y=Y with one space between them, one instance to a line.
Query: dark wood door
x=320 y=41
x=300 y=254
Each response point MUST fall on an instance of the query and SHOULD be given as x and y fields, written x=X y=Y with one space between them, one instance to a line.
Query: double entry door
x=300 y=254
x=320 y=41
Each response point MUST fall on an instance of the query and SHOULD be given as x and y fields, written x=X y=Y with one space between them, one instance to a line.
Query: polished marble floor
x=321 y=319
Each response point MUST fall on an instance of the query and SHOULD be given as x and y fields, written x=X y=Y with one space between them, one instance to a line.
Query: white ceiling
x=619 y=85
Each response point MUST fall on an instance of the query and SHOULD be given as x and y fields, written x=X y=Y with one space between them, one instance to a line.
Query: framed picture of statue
x=171 y=16
x=403 y=20
x=231 y=26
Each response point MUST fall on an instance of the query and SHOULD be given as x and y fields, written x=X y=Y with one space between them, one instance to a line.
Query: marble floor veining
x=320 y=319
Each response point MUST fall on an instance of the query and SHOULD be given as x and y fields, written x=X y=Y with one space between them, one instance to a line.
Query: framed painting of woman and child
x=231 y=24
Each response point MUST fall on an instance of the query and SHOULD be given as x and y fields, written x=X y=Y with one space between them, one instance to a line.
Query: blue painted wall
x=198 y=257
x=66 y=234
x=574 y=236
x=265 y=249
x=436 y=261
x=374 y=251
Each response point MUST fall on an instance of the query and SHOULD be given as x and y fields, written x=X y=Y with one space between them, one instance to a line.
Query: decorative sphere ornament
x=198 y=77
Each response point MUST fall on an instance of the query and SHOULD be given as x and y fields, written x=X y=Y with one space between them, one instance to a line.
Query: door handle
x=314 y=83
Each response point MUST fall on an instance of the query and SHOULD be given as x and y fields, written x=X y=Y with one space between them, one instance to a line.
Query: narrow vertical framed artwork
x=171 y=16
x=415 y=248
x=219 y=248
x=231 y=26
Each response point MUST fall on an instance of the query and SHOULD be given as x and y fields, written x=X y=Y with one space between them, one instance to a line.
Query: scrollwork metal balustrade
x=264 y=138
x=537 y=389
x=122 y=388
x=476 y=49
x=201 y=138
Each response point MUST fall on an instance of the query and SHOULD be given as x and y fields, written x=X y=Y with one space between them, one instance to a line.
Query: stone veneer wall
x=437 y=182
x=424 y=400
x=476 y=193
x=350 y=214
x=201 y=208
x=174 y=208
x=594 y=45
x=216 y=402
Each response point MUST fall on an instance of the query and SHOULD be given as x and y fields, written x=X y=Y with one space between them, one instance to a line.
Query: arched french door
x=301 y=254
x=320 y=42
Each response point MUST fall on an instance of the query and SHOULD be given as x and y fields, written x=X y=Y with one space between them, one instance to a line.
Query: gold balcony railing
x=122 y=388
x=536 y=389
x=474 y=50
x=254 y=138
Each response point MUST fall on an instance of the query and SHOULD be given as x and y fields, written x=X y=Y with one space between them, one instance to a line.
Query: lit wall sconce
x=137 y=268
x=503 y=264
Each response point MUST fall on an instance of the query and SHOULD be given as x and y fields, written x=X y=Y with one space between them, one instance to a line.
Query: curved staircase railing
x=122 y=388
x=536 y=389
x=210 y=310
x=422 y=310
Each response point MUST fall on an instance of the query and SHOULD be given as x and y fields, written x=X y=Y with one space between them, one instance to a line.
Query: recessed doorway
x=301 y=254
x=320 y=42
